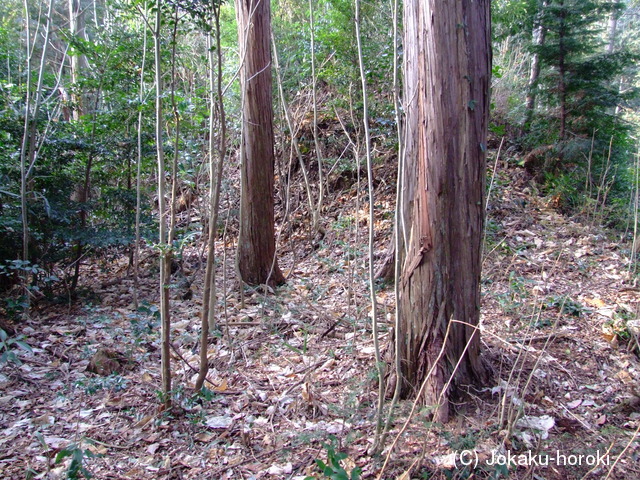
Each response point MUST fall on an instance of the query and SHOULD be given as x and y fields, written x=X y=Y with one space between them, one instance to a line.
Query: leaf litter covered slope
x=294 y=371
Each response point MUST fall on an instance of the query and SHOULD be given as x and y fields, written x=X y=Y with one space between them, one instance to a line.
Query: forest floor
x=293 y=373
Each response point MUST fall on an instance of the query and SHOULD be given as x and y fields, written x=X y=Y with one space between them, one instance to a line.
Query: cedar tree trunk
x=256 y=247
x=447 y=74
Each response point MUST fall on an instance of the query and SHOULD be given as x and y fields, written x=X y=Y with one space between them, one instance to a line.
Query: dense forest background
x=81 y=213
x=563 y=98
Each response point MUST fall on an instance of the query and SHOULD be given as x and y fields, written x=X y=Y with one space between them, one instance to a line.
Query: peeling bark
x=447 y=78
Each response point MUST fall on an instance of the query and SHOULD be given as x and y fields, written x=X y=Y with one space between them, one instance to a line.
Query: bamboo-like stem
x=372 y=291
x=316 y=212
x=398 y=226
x=165 y=257
x=136 y=249
x=287 y=117
x=215 y=174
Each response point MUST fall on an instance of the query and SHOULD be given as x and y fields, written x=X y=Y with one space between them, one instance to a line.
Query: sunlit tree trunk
x=78 y=60
x=538 y=40
x=612 y=31
x=612 y=34
x=447 y=72
x=256 y=246
x=562 y=69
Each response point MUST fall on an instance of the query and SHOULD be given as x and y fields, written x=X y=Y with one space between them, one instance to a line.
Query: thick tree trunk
x=256 y=247
x=447 y=77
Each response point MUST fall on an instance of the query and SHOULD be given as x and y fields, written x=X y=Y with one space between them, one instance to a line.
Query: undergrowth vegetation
x=293 y=389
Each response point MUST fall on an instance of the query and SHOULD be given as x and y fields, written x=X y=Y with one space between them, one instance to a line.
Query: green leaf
x=24 y=346
x=62 y=454
x=340 y=456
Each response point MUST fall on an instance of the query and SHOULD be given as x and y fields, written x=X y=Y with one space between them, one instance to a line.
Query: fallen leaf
x=541 y=425
x=97 y=449
x=43 y=420
x=574 y=404
x=219 y=422
x=594 y=302
x=280 y=469
x=153 y=448
x=222 y=387
x=143 y=421
x=56 y=442
x=624 y=376
x=204 y=437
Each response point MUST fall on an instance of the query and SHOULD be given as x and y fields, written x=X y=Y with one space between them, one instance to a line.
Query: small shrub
x=7 y=350
x=333 y=469
x=78 y=458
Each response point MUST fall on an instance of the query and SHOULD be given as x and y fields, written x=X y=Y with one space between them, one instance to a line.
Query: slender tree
x=216 y=103
x=538 y=40
x=577 y=71
x=28 y=150
x=78 y=60
x=141 y=96
x=256 y=246
x=447 y=73
x=83 y=104
x=316 y=140
x=371 y=252
x=164 y=246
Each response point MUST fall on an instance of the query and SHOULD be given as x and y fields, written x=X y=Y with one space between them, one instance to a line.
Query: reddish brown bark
x=447 y=73
x=256 y=249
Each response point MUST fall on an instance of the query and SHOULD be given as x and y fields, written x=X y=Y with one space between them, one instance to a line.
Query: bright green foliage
x=585 y=91
x=512 y=18
x=336 y=56
x=580 y=90
x=578 y=73
x=333 y=469
x=78 y=457
x=7 y=348
x=105 y=137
